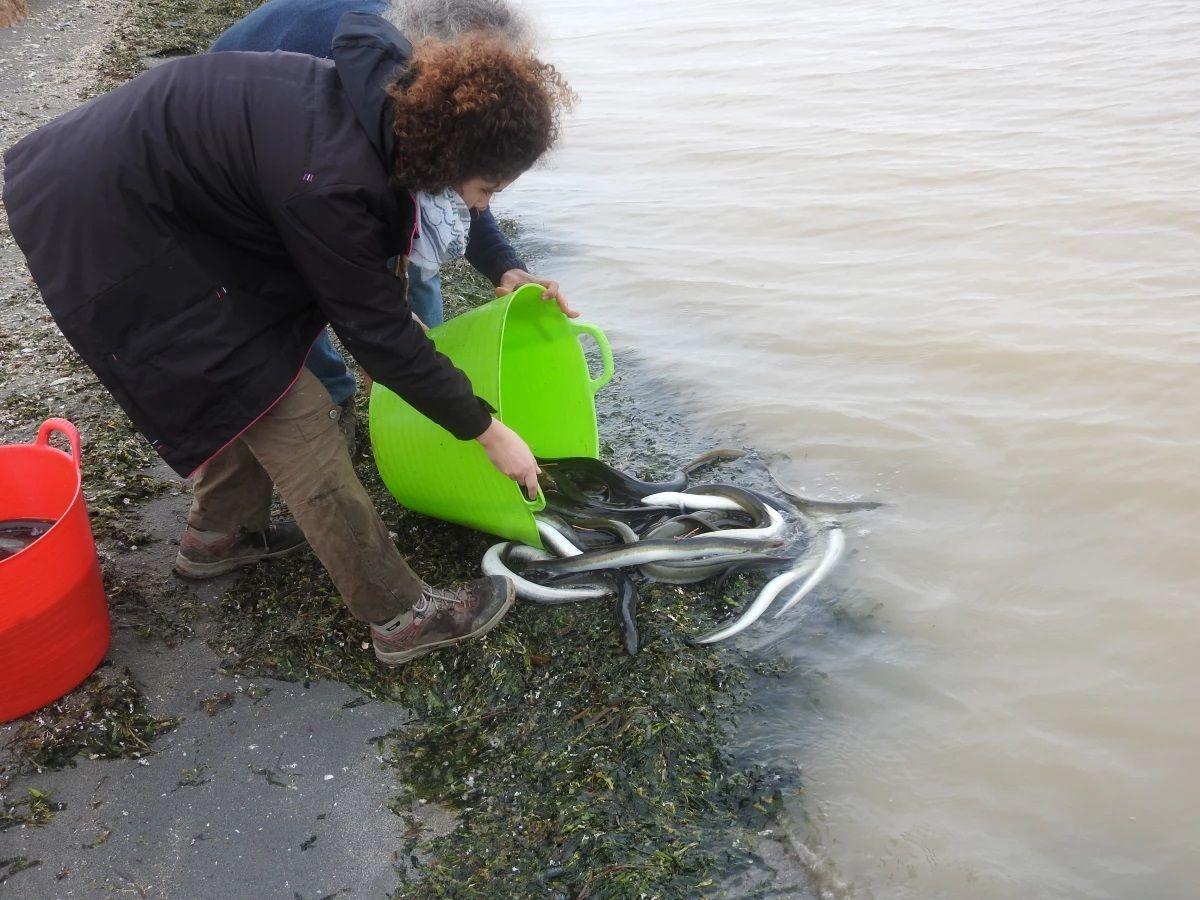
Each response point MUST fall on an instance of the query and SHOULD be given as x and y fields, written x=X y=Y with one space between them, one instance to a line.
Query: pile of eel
x=608 y=531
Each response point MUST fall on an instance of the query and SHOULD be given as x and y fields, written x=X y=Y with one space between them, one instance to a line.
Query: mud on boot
x=207 y=554
x=442 y=617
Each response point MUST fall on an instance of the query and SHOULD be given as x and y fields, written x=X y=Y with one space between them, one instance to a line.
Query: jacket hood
x=368 y=52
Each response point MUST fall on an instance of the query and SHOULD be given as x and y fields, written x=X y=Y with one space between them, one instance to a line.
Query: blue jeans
x=425 y=298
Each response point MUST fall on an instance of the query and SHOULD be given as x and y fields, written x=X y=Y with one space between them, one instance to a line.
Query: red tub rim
x=42 y=441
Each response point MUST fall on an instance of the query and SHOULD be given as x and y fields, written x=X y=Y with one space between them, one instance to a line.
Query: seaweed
x=217 y=702
x=574 y=768
x=14 y=864
x=114 y=470
x=33 y=810
x=560 y=752
x=100 y=839
x=192 y=778
x=163 y=610
x=272 y=777
x=155 y=30
x=104 y=718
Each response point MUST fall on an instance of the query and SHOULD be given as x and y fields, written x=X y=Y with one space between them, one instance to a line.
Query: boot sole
x=198 y=571
x=400 y=657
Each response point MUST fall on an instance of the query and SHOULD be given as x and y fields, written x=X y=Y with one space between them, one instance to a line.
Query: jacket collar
x=368 y=50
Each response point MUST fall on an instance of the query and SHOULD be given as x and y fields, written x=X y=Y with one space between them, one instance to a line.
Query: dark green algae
x=148 y=31
x=575 y=769
x=106 y=717
x=34 y=809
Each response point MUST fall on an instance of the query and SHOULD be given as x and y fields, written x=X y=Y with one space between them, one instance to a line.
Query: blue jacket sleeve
x=488 y=250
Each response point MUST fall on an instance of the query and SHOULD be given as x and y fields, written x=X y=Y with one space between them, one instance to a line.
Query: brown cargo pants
x=298 y=447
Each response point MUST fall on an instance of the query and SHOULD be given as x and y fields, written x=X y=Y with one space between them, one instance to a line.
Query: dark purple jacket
x=193 y=231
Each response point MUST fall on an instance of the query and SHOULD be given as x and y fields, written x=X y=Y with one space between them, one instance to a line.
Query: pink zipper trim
x=254 y=421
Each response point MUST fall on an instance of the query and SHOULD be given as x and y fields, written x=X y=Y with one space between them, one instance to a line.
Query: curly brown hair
x=474 y=107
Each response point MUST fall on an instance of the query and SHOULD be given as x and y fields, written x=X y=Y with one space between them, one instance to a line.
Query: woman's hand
x=511 y=455
x=515 y=278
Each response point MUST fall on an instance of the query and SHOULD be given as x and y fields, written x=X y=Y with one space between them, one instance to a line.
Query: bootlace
x=436 y=599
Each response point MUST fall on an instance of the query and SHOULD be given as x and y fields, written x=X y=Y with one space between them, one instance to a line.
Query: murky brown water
x=946 y=253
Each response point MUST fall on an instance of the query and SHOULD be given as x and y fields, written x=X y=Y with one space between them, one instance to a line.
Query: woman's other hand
x=515 y=278
x=511 y=455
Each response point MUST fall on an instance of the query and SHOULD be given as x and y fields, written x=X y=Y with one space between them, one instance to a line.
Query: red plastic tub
x=53 y=614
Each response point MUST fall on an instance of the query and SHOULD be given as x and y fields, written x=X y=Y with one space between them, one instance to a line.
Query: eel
x=711 y=547
x=495 y=562
x=759 y=604
x=834 y=547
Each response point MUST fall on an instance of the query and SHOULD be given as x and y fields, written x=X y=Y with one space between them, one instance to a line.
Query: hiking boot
x=443 y=617
x=207 y=554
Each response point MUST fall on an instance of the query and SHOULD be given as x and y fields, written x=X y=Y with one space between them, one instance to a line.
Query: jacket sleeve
x=339 y=242
x=488 y=250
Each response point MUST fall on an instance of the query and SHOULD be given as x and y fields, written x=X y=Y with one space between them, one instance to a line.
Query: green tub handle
x=606 y=357
x=537 y=504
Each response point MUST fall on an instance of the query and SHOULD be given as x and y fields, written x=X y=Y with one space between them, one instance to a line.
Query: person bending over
x=192 y=233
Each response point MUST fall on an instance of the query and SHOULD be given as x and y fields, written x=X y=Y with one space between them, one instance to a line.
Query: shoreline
x=512 y=717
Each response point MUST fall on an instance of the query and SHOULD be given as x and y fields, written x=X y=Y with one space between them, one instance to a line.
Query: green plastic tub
x=525 y=358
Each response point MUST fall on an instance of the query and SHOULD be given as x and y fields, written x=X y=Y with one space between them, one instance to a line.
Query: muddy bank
x=240 y=738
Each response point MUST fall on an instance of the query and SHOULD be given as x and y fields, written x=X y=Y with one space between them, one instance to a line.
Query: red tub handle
x=65 y=428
